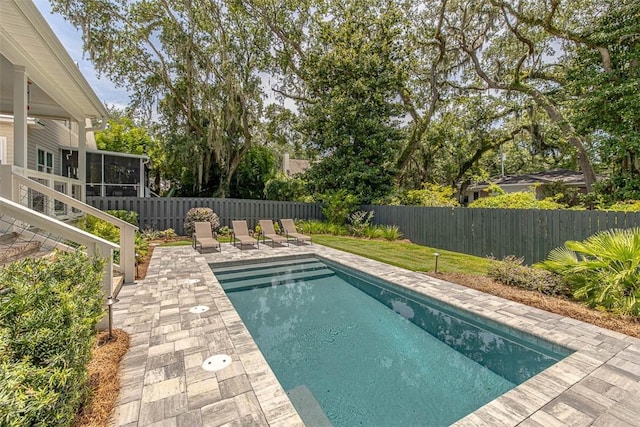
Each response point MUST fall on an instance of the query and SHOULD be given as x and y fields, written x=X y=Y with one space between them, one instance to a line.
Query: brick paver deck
x=163 y=383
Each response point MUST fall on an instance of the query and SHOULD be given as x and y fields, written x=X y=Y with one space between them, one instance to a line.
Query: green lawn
x=407 y=255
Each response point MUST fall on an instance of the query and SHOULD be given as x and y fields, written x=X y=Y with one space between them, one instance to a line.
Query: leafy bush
x=197 y=215
x=337 y=206
x=129 y=216
x=359 y=221
x=431 y=195
x=603 y=270
x=510 y=271
x=627 y=206
x=518 y=200
x=312 y=226
x=48 y=313
x=284 y=188
x=374 y=231
x=338 y=229
x=391 y=232
x=224 y=231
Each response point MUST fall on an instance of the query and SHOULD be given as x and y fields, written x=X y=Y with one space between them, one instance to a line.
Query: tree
x=123 y=136
x=350 y=115
x=510 y=47
x=603 y=79
x=195 y=62
x=256 y=168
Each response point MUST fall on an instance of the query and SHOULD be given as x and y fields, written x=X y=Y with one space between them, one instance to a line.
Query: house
x=292 y=167
x=538 y=180
x=48 y=113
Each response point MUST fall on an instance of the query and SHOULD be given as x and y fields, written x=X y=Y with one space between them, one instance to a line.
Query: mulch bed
x=628 y=325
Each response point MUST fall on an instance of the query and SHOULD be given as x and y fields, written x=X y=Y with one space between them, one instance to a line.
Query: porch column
x=82 y=159
x=20 y=106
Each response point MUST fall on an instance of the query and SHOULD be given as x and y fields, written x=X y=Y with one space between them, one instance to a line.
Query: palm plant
x=603 y=270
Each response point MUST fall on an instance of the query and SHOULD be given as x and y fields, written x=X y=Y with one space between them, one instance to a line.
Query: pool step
x=241 y=274
x=308 y=407
x=262 y=265
x=274 y=280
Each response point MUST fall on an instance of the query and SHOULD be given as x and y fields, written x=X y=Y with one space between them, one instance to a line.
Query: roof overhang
x=57 y=88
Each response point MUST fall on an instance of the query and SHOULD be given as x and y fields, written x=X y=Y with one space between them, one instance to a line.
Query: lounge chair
x=241 y=234
x=267 y=231
x=204 y=237
x=290 y=231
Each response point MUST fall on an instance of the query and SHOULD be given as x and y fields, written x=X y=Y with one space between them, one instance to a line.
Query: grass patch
x=407 y=255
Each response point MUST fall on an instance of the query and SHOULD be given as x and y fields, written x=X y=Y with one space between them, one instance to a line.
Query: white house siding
x=53 y=137
x=6 y=131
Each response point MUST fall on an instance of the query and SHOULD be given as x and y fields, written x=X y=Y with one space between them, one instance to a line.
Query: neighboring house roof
x=566 y=176
x=297 y=166
x=58 y=89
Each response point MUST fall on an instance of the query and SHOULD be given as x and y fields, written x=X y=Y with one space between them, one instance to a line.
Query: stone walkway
x=164 y=384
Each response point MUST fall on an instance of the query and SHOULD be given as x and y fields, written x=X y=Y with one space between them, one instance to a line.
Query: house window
x=45 y=161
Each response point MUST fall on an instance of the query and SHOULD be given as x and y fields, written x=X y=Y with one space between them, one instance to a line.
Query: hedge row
x=49 y=309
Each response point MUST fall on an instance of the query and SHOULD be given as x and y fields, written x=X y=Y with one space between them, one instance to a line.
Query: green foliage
x=431 y=195
x=48 y=314
x=351 y=113
x=256 y=168
x=603 y=270
x=129 y=216
x=374 y=231
x=517 y=200
x=510 y=271
x=391 y=232
x=359 y=221
x=199 y=215
x=123 y=136
x=285 y=188
x=337 y=206
x=607 y=100
x=627 y=206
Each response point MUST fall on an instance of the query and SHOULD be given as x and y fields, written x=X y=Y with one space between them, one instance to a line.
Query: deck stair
x=242 y=277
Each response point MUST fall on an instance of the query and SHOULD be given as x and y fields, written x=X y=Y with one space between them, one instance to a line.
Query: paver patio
x=163 y=383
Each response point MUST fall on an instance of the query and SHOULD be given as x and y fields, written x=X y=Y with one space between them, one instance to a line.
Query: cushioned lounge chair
x=290 y=231
x=204 y=237
x=267 y=231
x=241 y=234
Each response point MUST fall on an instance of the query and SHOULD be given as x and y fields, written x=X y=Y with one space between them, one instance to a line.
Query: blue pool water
x=352 y=350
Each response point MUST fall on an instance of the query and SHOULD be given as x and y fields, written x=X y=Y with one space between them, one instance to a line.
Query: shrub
x=359 y=222
x=518 y=200
x=48 y=313
x=129 y=216
x=431 y=195
x=391 y=232
x=312 y=226
x=224 y=231
x=197 y=215
x=510 y=271
x=603 y=270
x=337 y=206
x=374 y=231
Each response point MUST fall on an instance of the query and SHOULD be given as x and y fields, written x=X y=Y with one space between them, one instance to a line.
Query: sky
x=72 y=41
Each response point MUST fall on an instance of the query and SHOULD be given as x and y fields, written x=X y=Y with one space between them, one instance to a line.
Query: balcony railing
x=37 y=192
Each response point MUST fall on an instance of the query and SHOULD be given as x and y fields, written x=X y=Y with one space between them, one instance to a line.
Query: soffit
x=58 y=89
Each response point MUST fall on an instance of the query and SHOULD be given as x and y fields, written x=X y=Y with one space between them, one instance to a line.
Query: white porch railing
x=96 y=246
x=21 y=189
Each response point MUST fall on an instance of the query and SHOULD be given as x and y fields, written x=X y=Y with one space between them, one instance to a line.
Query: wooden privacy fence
x=160 y=213
x=529 y=233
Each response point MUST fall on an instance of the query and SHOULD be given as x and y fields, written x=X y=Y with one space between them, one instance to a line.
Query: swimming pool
x=352 y=350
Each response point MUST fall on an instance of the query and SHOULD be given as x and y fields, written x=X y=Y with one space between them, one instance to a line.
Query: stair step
x=8 y=238
x=230 y=276
x=261 y=265
x=261 y=282
x=17 y=251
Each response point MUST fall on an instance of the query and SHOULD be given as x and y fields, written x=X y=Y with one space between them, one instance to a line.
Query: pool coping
x=598 y=384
